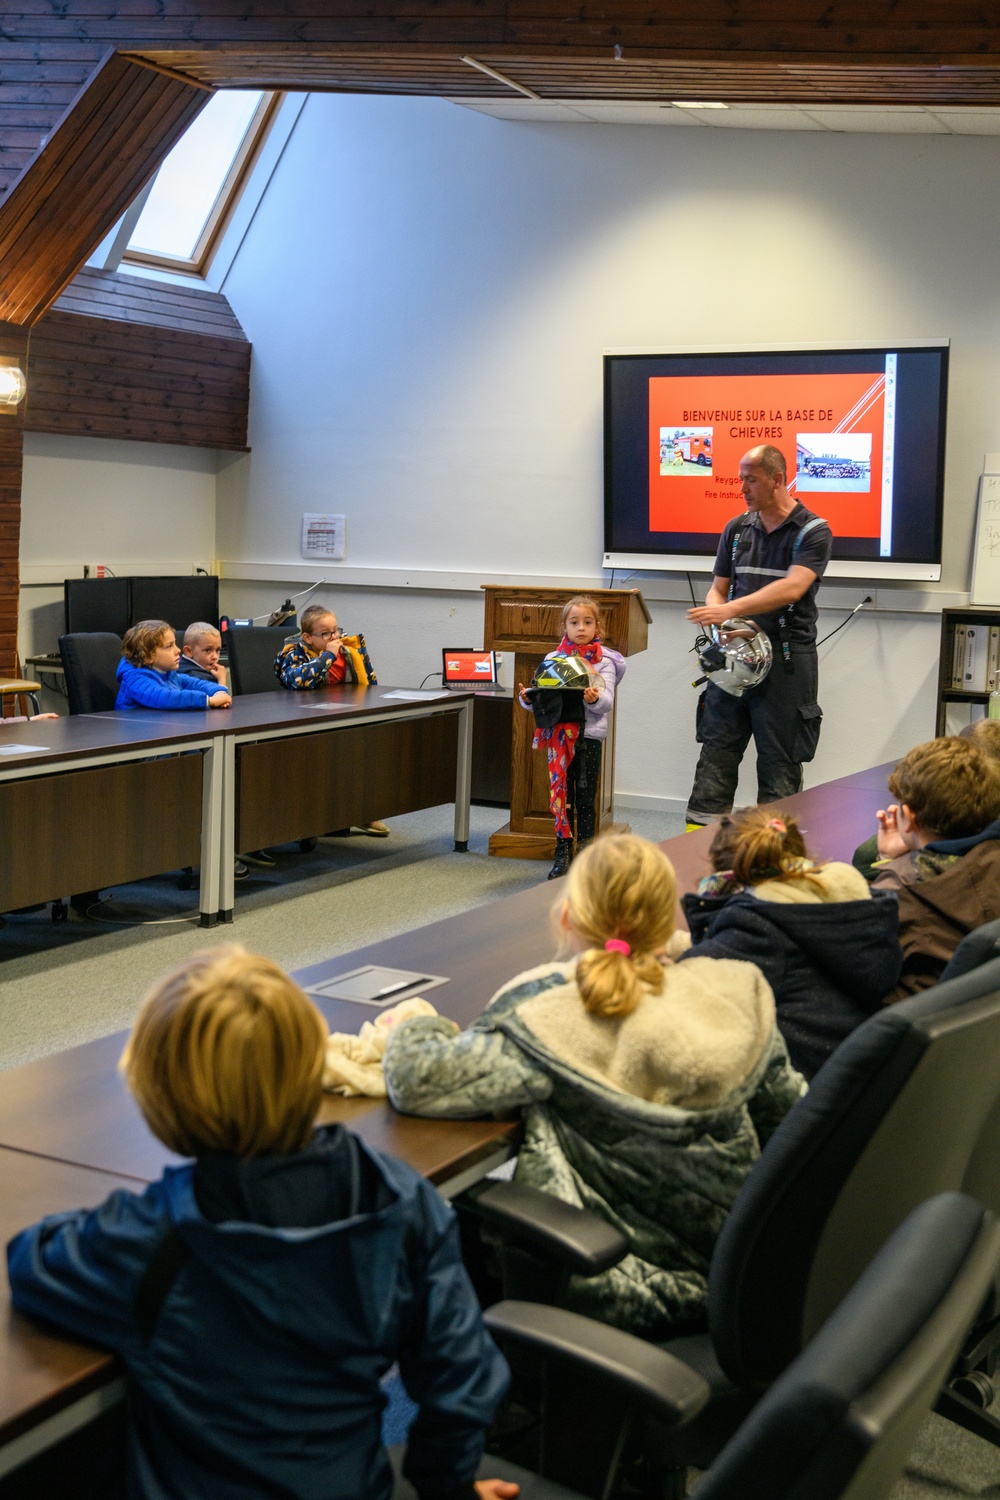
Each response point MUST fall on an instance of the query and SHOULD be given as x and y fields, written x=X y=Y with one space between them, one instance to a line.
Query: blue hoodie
x=145 y=687
x=256 y=1305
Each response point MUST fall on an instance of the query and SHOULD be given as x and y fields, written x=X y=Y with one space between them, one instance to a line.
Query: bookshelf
x=950 y=620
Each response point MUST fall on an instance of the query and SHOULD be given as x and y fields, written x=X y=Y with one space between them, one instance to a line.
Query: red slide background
x=743 y=411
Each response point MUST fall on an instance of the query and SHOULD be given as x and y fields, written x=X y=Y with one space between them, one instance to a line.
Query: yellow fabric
x=353 y=1064
x=351 y=645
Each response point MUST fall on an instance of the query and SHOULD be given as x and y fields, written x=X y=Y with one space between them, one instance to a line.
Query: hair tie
x=778 y=826
x=617 y=945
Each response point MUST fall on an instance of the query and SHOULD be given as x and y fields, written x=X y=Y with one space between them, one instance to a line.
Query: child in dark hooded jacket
x=826 y=945
x=940 y=848
x=259 y=1294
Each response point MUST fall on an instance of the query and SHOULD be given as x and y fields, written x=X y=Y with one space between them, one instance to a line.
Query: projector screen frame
x=700 y=562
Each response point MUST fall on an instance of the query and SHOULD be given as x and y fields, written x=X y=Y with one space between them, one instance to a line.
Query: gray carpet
x=67 y=983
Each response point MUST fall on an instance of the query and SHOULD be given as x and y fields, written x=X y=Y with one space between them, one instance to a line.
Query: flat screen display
x=862 y=431
x=464 y=668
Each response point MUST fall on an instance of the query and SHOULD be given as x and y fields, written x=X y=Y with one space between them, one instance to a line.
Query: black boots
x=564 y=853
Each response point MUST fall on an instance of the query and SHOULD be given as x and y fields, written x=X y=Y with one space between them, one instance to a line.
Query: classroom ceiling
x=869 y=119
x=93 y=93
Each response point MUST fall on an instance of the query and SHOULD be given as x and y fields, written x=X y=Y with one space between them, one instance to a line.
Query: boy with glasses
x=318 y=660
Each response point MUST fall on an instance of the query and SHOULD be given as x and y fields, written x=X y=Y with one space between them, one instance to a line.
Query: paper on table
x=21 y=749
x=417 y=693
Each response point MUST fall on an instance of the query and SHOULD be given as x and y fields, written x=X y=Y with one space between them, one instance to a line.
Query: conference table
x=70 y=1133
x=96 y=800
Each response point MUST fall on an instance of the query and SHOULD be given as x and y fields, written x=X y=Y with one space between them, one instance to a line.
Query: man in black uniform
x=767 y=569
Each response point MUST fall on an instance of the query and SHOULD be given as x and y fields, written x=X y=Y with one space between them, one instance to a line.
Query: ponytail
x=621 y=897
x=759 y=844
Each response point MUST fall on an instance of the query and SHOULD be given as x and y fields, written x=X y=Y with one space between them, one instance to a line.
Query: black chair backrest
x=907 y=1107
x=841 y=1421
x=252 y=650
x=976 y=948
x=90 y=660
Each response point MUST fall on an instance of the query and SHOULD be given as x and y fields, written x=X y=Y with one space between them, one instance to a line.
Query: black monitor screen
x=97 y=604
x=180 y=601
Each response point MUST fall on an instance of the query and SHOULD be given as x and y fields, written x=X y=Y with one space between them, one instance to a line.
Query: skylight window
x=198 y=184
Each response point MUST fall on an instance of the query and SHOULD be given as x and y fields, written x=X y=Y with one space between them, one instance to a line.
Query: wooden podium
x=526 y=621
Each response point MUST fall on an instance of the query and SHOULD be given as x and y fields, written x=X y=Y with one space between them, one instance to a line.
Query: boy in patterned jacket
x=318 y=659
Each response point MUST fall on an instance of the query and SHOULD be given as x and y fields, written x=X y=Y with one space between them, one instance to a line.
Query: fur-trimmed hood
x=695 y=1045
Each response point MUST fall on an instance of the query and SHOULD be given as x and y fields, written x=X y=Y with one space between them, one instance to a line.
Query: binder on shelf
x=958 y=658
x=993 y=660
x=976 y=651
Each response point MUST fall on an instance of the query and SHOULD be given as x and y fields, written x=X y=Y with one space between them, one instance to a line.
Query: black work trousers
x=583 y=779
x=782 y=716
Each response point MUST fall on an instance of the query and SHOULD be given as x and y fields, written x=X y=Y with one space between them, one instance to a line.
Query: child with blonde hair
x=648 y=1087
x=258 y=1294
x=202 y=650
x=572 y=734
x=828 y=949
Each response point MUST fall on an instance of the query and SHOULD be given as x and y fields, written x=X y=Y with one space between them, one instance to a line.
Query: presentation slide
x=862 y=432
x=832 y=429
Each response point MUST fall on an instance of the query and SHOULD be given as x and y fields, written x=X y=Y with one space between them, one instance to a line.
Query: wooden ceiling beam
x=97 y=158
x=731 y=79
x=957 y=31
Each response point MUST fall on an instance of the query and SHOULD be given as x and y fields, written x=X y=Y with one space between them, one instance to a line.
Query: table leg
x=227 y=854
x=463 y=777
x=211 y=819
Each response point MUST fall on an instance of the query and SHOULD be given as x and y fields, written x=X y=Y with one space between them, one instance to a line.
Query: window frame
x=236 y=179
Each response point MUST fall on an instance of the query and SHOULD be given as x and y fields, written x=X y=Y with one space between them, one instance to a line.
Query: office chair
x=252 y=650
x=837 y=1425
x=908 y=1106
x=976 y=948
x=90 y=660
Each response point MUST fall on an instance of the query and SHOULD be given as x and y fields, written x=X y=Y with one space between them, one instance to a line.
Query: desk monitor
x=97 y=604
x=463 y=667
x=862 y=431
x=179 y=600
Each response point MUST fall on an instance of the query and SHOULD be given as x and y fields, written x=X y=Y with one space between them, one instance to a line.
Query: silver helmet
x=735 y=655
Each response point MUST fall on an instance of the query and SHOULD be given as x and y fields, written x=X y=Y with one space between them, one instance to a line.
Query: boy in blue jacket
x=258 y=1295
x=148 y=676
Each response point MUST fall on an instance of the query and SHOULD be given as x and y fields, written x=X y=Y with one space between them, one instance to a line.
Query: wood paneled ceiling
x=637 y=75
x=93 y=93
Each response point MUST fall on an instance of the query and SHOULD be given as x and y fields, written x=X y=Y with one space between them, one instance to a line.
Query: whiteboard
x=986 y=551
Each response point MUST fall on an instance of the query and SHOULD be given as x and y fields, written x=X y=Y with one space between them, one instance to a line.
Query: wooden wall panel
x=13 y=347
x=95 y=377
x=95 y=161
x=120 y=356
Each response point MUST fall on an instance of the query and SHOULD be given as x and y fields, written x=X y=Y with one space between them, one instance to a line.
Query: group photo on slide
x=500 y=754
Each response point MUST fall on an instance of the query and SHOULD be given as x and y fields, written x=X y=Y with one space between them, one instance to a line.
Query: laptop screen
x=467 y=668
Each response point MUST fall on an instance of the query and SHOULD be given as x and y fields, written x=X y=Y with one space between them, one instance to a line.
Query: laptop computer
x=463 y=668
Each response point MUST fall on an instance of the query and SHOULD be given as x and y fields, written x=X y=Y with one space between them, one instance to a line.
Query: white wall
x=136 y=507
x=429 y=291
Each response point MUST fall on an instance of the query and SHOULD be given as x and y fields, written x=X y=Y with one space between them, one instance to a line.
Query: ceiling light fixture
x=697 y=104
x=13 y=386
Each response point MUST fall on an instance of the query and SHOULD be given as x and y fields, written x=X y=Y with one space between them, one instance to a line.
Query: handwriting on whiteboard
x=986 y=556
